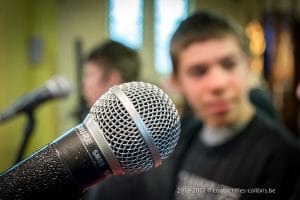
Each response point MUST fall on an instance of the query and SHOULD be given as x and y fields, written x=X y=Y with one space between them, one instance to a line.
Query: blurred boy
x=235 y=151
x=111 y=63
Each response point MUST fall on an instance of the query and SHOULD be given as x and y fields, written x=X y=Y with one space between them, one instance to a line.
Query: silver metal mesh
x=156 y=110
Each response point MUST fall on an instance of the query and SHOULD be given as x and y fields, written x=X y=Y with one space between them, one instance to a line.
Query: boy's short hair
x=112 y=55
x=203 y=26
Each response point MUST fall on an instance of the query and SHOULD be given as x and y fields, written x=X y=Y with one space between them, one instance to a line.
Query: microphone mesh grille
x=156 y=110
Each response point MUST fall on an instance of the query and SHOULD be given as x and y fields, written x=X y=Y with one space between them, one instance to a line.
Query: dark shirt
x=260 y=162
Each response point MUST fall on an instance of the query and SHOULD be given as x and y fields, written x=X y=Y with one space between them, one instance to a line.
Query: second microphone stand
x=27 y=133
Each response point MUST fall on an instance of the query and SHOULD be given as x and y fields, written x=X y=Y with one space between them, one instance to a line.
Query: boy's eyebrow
x=198 y=65
x=229 y=56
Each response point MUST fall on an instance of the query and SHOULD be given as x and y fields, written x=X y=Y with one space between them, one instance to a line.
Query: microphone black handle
x=40 y=176
x=62 y=169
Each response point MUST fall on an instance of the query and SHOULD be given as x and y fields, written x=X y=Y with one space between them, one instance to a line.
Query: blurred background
x=43 y=38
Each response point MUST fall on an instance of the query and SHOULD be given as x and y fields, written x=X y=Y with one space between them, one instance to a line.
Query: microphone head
x=58 y=86
x=140 y=124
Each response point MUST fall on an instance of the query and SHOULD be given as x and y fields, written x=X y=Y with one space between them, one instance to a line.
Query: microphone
x=58 y=87
x=128 y=130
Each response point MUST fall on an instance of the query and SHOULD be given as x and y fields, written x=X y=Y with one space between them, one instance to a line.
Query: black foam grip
x=39 y=177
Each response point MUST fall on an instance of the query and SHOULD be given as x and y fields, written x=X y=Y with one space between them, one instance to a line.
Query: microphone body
x=129 y=130
x=57 y=87
x=62 y=169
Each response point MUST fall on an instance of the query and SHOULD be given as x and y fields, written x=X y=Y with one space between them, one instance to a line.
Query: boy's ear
x=250 y=61
x=176 y=83
x=115 y=78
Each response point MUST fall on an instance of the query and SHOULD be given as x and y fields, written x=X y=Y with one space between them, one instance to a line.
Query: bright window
x=126 y=22
x=168 y=14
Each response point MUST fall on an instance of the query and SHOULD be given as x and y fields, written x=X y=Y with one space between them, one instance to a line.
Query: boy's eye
x=197 y=71
x=228 y=63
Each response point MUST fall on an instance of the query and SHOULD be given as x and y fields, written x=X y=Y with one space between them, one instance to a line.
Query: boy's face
x=92 y=84
x=96 y=82
x=212 y=75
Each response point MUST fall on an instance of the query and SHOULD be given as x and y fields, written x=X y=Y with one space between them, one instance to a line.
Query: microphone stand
x=27 y=133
